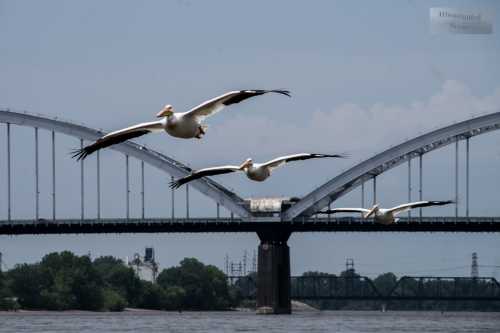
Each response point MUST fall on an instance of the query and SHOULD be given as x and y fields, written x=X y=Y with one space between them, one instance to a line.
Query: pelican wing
x=344 y=210
x=296 y=157
x=204 y=173
x=118 y=137
x=216 y=104
x=419 y=204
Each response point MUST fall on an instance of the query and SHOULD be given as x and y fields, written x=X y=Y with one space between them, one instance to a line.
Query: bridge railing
x=402 y=220
x=308 y=220
x=145 y=221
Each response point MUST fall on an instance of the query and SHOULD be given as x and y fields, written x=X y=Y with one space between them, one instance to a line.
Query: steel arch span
x=208 y=187
x=390 y=158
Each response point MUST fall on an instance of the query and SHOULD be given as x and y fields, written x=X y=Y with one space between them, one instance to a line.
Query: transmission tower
x=349 y=265
x=226 y=264
x=254 y=262
x=245 y=255
x=236 y=268
x=474 y=271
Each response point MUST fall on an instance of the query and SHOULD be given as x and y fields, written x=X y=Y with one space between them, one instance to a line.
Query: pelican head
x=371 y=211
x=167 y=111
x=248 y=163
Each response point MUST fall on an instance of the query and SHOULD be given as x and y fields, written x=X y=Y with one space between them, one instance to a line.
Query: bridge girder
x=206 y=186
x=272 y=231
x=388 y=159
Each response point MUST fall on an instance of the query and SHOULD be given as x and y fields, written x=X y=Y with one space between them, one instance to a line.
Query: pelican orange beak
x=371 y=211
x=247 y=163
x=168 y=110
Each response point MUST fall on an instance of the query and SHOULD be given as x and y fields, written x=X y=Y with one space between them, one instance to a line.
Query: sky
x=363 y=75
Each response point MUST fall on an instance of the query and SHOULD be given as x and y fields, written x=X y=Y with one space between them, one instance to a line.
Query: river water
x=311 y=322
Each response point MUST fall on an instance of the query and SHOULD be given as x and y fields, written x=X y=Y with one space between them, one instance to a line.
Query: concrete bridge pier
x=273 y=273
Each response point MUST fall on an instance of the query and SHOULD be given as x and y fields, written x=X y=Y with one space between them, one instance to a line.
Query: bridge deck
x=200 y=225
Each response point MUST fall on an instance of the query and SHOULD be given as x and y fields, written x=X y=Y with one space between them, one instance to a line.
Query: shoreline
x=132 y=311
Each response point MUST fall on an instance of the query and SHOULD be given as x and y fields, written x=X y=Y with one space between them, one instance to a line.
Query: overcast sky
x=364 y=76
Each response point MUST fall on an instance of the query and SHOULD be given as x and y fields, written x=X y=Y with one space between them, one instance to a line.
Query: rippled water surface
x=326 y=321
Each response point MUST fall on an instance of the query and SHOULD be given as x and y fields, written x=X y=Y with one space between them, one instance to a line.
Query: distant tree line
x=63 y=281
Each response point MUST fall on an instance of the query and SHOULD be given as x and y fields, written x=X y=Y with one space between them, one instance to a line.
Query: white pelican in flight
x=387 y=216
x=254 y=171
x=185 y=125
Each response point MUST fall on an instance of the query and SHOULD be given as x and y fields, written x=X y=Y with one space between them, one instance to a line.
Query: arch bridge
x=390 y=158
x=208 y=187
x=273 y=231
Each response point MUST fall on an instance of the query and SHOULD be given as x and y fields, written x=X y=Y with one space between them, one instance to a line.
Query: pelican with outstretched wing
x=254 y=171
x=386 y=216
x=185 y=125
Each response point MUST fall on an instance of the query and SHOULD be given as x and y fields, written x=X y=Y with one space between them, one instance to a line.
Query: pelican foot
x=201 y=132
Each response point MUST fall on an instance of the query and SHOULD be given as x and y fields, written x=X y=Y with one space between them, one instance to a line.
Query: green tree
x=153 y=296
x=27 y=283
x=71 y=282
x=6 y=301
x=205 y=287
x=174 y=298
x=2 y=285
x=3 y=293
x=113 y=301
x=120 y=278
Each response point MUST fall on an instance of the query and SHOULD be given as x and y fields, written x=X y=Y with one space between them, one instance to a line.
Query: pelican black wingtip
x=341 y=155
x=283 y=92
x=277 y=91
x=446 y=202
x=174 y=185
x=79 y=154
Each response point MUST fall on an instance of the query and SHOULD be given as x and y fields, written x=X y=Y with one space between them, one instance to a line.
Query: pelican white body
x=384 y=216
x=257 y=172
x=181 y=126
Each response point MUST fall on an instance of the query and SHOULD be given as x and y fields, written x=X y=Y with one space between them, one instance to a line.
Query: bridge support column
x=456 y=178
x=467 y=177
x=420 y=182
x=53 y=176
x=98 y=186
x=172 y=198
x=409 y=184
x=273 y=273
x=37 y=188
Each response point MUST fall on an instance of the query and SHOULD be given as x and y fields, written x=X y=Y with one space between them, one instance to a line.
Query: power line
x=425 y=270
x=494 y=266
